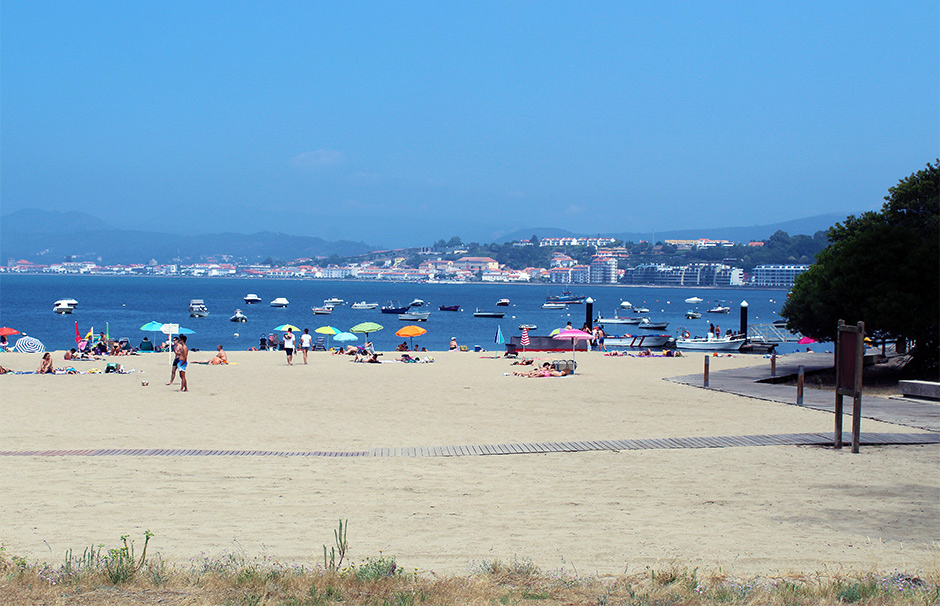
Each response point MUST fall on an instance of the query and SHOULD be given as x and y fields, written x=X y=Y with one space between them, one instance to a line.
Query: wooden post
x=773 y=365
x=857 y=400
x=799 y=386
x=705 y=380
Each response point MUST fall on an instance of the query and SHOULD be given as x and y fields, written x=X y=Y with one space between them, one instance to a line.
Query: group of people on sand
x=545 y=370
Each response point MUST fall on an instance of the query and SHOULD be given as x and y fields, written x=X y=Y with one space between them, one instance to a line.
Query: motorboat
x=69 y=302
x=719 y=309
x=527 y=327
x=648 y=324
x=238 y=316
x=709 y=343
x=503 y=303
x=333 y=301
x=322 y=311
x=280 y=302
x=393 y=307
x=488 y=314
x=553 y=305
x=252 y=298
x=566 y=297
x=198 y=309
x=363 y=305
x=616 y=320
x=449 y=308
x=693 y=315
x=641 y=310
x=414 y=316
x=60 y=308
x=626 y=305
x=417 y=303
x=693 y=300
x=640 y=341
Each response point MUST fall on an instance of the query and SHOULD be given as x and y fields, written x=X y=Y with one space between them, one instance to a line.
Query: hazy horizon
x=399 y=123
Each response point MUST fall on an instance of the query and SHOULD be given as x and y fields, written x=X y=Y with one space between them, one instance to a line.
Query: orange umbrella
x=411 y=331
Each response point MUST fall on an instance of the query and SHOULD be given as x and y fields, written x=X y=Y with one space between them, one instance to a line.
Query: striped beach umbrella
x=525 y=339
x=29 y=345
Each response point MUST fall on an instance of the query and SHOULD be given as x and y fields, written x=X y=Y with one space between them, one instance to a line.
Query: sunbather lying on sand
x=220 y=358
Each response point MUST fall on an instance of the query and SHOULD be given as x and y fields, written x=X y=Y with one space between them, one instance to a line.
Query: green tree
x=882 y=268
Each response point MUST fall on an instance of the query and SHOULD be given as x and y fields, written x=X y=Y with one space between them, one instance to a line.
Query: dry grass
x=232 y=580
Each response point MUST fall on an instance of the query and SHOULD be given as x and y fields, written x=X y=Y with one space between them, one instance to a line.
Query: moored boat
x=527 y=327
x=566 y=297
x=637 y=341
x=648 y=324
x=626 y=305
x=322 y=311
x=693 y=315
x=252 y=298
x=709 y=344
x=198 y=309
x=503 y=303
x=488 y=314
x=551 y=305
x=616 y=320
x=449 y=308
x=67 y=302
x=280 y=302
x=414 y=316
x=393 y=307
x=238 y=316
x=363 y=305
x=719 y=309
x=417 y=303
x=333 y=301
x=61 y=308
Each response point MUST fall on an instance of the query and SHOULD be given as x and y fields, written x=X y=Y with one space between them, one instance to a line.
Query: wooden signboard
x=850 y=353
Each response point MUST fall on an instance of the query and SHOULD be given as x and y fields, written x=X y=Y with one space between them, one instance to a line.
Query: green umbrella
x=366 y=327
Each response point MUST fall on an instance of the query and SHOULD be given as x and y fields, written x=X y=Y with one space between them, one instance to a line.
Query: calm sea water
x=125 y=304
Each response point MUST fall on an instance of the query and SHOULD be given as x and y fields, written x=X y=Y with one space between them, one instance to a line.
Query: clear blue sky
x=399 y=123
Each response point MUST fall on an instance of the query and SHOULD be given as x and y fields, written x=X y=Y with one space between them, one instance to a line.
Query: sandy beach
x=746 y=509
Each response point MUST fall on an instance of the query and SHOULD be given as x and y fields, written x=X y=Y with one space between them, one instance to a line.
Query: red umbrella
x=6 y=331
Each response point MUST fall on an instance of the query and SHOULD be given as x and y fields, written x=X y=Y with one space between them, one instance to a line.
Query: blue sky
x=402 y=123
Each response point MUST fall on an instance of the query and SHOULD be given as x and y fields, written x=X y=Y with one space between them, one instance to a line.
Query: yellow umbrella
x=329 y=331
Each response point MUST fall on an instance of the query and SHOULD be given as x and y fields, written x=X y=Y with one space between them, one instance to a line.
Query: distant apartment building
x=476 y=264
x=695 y=274
x=595 y=242
x=561 y=260
x=560 y=275
x=776 y=275
x=603 y=270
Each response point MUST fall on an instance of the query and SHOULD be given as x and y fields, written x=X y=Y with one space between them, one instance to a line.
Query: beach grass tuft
x=117 y=576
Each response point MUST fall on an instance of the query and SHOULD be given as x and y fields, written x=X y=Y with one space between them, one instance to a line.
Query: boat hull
x=415 y=316
x=637 y=341
x=364 y=305
x=605 y=321
x=488 y=314
x=709 y=344
x=449 y=308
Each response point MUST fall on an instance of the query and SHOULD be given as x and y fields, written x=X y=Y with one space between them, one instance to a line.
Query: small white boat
x=62 y=309
x=648 y=324
x=333 y=301
x=617 y=320
x=364 y=305
x=693 y=300
x=693 y=315
x=553 y=305
x=414 y=316
x=198 y=309
x=641 y=310
x=417 y=303
x=527 y=326
x=719 y=309
x=637 y=341
x=503 y=302
x=626 y=305
x=280 y=302
x=238 y=316
x=322 y=311
x=252 y=298
x=709 y=344
x=488 y=314
x=69 y=302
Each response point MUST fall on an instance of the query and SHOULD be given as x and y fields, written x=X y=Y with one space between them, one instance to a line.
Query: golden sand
x=746 y=509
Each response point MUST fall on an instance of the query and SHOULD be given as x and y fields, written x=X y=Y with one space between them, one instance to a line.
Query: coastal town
x=609 y=263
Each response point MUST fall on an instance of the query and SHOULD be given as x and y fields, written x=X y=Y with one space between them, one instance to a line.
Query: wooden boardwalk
x=786 y=439
x=754 y=382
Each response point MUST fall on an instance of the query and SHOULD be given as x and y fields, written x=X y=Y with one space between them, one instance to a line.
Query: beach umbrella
x=366 y=327
x=6 y=331
x=411 y=331
x=575 y=336
x=806 y=341
x=498 y=339
x=154 y=327
x=28 y=345
x=525 y=339
x=554 y=332
x=329 y=331
x=286 y=326
x=344 y=337
x=186 y=331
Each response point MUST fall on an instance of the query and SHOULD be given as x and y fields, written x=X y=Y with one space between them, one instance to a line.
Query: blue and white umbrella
x=344 y=337
x=29 y=345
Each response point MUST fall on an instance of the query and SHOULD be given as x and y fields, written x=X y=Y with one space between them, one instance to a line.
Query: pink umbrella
x=575 y=336
x=807 y=341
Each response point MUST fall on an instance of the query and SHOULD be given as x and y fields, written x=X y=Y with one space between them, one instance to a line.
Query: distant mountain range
x=43 y=236
x=806 y=226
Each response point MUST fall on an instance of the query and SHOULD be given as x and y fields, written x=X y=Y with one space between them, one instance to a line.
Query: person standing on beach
x=183 y=354
x=289 y=346
x=176 y=360
x=306 y=342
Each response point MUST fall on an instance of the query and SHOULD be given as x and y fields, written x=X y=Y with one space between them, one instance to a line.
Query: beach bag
x=111 y=367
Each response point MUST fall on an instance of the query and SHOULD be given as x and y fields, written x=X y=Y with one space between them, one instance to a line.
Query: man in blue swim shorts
x=183 y=355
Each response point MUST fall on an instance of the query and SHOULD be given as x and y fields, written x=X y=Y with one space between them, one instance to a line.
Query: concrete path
x=752 y=382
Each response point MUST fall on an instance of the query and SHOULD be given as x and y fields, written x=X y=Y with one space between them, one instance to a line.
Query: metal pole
x=773 y=365
x=589 y=311
x=799 y=386
x=705 y=378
